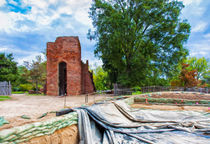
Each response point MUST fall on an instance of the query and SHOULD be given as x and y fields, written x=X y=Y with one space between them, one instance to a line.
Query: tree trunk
x=36 y=86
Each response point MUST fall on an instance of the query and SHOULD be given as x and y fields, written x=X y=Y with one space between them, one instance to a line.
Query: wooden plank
x=5 y=88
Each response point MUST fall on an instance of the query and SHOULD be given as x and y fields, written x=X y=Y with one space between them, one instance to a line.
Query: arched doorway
x=62 y=79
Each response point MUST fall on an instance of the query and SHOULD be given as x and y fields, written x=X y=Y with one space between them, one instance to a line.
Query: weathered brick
x=79 y=79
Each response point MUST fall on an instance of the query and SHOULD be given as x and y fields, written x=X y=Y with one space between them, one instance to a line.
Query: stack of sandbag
x=29 y=131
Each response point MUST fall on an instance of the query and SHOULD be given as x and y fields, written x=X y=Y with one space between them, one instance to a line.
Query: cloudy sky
x=27 y=25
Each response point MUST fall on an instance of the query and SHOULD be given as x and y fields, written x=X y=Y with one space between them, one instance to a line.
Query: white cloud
x=93 y=61
x=200 y=48
x=189 y=2
x=25 y=55
x=42 y=15
x=2 y=2
x=193 y=9
x=3 y=49
x=201 y=26
x=81 y=13
x=13 y=2
x=6 y=22
x=29 y=58
x=207 y=35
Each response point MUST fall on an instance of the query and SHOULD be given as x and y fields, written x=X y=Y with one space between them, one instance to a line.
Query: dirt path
x=168 y=107
x=35 y=106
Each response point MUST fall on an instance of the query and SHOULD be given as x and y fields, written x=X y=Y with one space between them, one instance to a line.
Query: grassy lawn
x=25 y=92
x=2 y=98
x=18 y=92
x=136 y=93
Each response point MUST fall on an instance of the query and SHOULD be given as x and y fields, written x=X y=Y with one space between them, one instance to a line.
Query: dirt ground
x=168 y=107
x=62 y=136
x=35 y=106
x=178 y=95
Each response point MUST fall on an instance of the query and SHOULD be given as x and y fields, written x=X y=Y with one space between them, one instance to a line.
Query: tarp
x=118 y=123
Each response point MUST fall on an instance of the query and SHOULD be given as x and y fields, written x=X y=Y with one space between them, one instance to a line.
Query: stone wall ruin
x=66 y=73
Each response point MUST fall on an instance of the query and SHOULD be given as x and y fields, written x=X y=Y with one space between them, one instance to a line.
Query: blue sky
x=27 y=25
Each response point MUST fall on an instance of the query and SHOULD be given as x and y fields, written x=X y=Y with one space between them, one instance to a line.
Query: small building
x=66 y=73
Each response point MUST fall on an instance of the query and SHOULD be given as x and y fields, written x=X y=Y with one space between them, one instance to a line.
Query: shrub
x=137 y=88
x=15 y=88
x=26 y=87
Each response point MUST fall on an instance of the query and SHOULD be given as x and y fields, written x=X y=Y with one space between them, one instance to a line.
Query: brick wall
x=87 y=82
x=68 y=50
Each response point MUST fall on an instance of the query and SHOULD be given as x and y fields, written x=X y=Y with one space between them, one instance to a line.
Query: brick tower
x=66 y=73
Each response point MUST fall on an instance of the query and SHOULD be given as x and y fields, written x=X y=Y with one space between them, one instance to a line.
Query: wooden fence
x=5 y=88
x=119 y=90
x=171 y=88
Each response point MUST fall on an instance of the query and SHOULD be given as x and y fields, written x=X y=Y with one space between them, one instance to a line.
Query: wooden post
x=86 y=98
x=9 y=88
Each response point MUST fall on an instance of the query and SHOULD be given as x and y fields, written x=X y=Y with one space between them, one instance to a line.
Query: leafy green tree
x=8 y=68
x=20 y=78
x=100 y=78
x=199 y=64
x=206 y=75
x=137 y=38
x=36 y=72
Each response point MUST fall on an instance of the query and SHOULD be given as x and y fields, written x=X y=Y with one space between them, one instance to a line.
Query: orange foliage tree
x=188 y=77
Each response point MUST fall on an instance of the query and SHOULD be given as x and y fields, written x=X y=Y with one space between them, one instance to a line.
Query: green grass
x=2 y=98
x=22 y=92
x=18 y=92
x=136 y=93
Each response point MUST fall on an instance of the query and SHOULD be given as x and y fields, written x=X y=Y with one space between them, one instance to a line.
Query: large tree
x=8 y=68
x=139 y=39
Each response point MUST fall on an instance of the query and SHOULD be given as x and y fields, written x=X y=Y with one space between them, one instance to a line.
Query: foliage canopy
x=138 y=40
x=198 y=64
x=188 y=77
x=8 y=68
x=100 y=78
x=36 y=72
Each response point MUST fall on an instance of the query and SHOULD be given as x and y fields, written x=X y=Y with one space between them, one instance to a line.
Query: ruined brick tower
x=66 y=73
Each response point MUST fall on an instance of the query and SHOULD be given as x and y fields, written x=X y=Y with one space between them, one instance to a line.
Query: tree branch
x=119 y=2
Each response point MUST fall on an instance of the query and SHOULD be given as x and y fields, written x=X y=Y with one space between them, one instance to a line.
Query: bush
x=136 y=93
x=15 y=89
x=137 y=88
x=26 y=87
